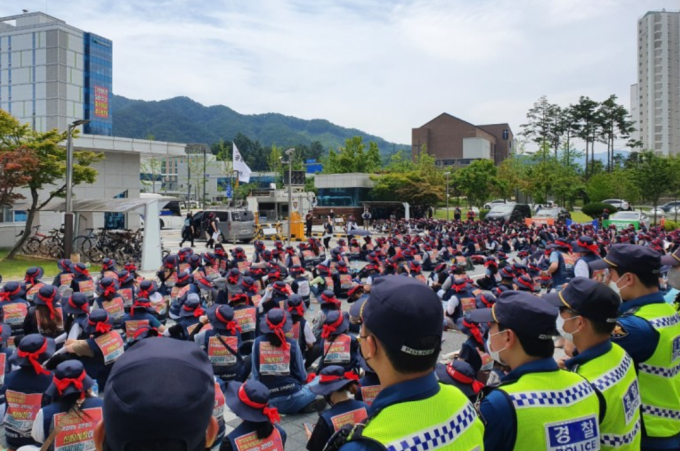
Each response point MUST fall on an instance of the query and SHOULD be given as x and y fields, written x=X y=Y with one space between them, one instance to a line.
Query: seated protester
x=65 y=274
x=74 y=411
x=337 y=386
x=206 y=288
x=148 y=290
x=415 y=270
x=461 y=375
x=277 y=363
x=250 y=287
x=32 y=282
x=275 y=296
x=328 y=303
x=190 y=315
x=82 y=281
x=246 y=316
x=127 y=287
x=211 y=266
x=337 y=346
x=234 y=279
x=195 y=263
x=14 y=306
x=489 y=281
x=342 y=279
x=222 y=343
x=300 y=283
x=143 y=333
x=159 y=376
x=322 y=281
x=22 y=392
x=47 y=317
x=5 y=352
x=131 y=267
x=356 y=294
x=183 y=286
x=258 y=431
x=239 y=260
x=390 y=267
x=76 y=310
x=109 y=300
x=473 y=349
x=290 y=258
x=108 y=266
x=141 y=314
x=300 y=330
x=221 y=257
x=458 y=299
x=259 y=250
x=168 y=274
x=100 y=350
x=526 y=283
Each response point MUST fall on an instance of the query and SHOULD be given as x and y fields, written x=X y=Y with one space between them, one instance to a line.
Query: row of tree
x=588 y=121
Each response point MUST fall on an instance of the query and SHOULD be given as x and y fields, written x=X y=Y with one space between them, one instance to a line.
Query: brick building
x=455 y=142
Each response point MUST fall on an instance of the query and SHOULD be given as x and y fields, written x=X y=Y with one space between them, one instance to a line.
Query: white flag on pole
x=239 y=165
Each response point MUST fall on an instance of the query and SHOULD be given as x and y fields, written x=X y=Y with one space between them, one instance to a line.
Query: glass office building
x=98 y=58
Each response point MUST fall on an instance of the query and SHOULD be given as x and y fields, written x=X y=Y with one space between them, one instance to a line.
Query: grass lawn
x=579 y=216
x=16 y=269
x=576 y=216
x=441 y=213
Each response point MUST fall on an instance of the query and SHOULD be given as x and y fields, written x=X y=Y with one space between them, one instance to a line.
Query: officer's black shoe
x=315 y=406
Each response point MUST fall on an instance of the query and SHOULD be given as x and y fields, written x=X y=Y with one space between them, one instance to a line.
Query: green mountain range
x=184 y=120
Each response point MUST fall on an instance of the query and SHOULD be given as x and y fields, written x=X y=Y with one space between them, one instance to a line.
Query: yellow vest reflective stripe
x=555 y=411
x=446 y=421
x=660 y=374
x=613 y=374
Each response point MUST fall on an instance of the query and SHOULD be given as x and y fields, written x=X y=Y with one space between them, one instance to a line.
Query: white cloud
x=383 y=66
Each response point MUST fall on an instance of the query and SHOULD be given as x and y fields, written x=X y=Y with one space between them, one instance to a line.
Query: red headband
x=62 y=384
x=350 y=376
x=332 y=300
x=198 y=311
x=101 y=327
x=108 y=291
x=474 y=330
x=231 y=326
x=49 y=301
x=297 y=309
x=485 y=302
x=463 y=379
x=182 y=279
x=330 y=328
x=5 y=295
x=144 y=293
x=139 y=303
x=525 y=283
x=141 y=330
x=278 y=331
x=84 y=272
x=83 y=307
x=33 y=358
x=236 y=297
x=130 y=267
x=233 y=279
x=270 y=412
x=591 y=247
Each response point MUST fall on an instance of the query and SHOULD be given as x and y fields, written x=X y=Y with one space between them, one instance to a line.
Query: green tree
x=151 y=169
x=614 y=124
x=477 y=181
x=587 y=116
x=50 y=170
x=543 y=123
x=654 y=177
x=353 y=157
x=398 y=162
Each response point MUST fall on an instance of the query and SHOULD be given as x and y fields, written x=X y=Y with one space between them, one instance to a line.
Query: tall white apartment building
x=655 y=98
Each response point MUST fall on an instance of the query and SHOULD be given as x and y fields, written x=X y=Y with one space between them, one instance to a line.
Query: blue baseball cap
x=159 y=389
x=522 y=312
x=630 y=258
x=588 y=298
x=401 y=310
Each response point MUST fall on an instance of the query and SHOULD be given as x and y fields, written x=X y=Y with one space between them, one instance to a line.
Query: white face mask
x=674 y=278
x=615 y=285
x=560 y=328
x=496 y=355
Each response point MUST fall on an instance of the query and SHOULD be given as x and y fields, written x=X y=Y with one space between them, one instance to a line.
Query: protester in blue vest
x=461 y=375
x=74 y=412
x=76 y=310
x=65 y=274
x=222 y=343
x=161 y=395
x=141 y=314
x=110 y=301
x=278 y=364
x=14 y=306
x=589 y=252
x=250 y=402
x=301 y=331
x=190 y=315
x=82 y=281
x=559 y=269
x=46 y=317
x=337 y=386
x=22 y=392
x=32 y=282
x=6 y=353
x=337 y=346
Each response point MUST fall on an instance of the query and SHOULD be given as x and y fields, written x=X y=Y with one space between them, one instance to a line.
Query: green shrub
x=595 y=209
x=482 y=214
x=671 y=226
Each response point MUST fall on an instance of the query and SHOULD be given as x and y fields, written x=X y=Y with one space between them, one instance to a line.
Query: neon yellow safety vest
x=613 y=374
x=445 y=421
x=555 y=410
x=660 y=374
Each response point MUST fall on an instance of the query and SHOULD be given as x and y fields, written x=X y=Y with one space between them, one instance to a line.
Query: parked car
x=493 y=203
x=559 y=214
x=233 y=224
x=620 y=204
x=668 y=206
x=508 y=213
x=630 y=217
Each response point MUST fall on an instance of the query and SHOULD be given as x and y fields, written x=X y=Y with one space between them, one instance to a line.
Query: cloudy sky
x=383 y=66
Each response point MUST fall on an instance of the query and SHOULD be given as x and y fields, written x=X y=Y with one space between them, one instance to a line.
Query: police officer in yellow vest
x=537 y=406
x=588 y=315
x=649 y=330
x=401 y=339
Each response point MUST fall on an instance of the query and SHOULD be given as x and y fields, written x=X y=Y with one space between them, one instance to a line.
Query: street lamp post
x=290 y=152
x=68 y=215
x=447 y=175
